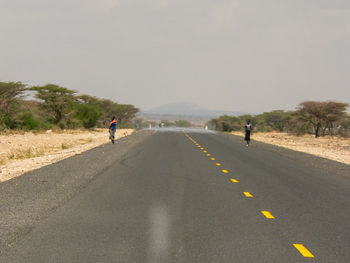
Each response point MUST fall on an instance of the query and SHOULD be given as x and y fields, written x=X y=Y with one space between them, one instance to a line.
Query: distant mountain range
x=189 y=109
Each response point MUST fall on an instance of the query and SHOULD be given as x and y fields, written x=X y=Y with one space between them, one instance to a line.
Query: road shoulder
x=323 y=164
x=26 y=200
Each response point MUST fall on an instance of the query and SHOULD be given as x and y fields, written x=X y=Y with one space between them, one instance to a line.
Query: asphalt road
x=168 y=199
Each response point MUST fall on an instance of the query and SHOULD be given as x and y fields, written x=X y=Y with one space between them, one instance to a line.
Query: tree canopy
x=56 y=106
x=309 y=117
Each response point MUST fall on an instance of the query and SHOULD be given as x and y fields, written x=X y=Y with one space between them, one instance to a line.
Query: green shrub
x=28 y=122
x=182 y=123
x=88 y=114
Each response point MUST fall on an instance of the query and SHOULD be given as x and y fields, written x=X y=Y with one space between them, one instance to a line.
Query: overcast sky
x=243 y=55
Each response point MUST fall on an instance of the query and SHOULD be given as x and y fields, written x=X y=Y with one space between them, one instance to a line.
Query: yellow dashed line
x=267 y=214
x=247 y=194
x=306 y=253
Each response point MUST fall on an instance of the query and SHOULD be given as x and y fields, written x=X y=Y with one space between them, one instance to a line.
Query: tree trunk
x=317 y=131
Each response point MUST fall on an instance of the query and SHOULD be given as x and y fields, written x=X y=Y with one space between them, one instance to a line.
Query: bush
x=88 y=114
x=28 y=122
x=182 y=123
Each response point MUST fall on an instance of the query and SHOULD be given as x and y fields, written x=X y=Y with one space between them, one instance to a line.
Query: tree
x=321 y=114
x=108 y=112
x=87 y=99
x=226 y=123
x=344 y=126
x=88 y=114
x=55 y=100
x=334 y=112
x=167 y=123
x=182 y=123
x=10 y=94
x=277 y=120
x=124 y=112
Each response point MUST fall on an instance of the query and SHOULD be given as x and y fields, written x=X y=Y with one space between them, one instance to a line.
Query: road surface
x=197 y=196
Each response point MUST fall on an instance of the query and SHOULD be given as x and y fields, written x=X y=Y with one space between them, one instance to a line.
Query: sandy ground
x=333 y=148
x=21 y=153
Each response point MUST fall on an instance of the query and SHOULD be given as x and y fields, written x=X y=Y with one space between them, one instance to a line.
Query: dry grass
x=22 y=152
x=65 y=146
x=333 y=148
x=3 y=161
x=85 y=141
x=8 y=132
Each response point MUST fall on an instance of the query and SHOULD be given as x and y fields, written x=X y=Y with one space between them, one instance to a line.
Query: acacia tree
x=334 y=112
x=321 y=114
x=124 y=112
x=88 y=110
x=345 y=125
x=55 y=100
x=107 y=106
x=277 y=120
x=10 y=94
x=87 y=99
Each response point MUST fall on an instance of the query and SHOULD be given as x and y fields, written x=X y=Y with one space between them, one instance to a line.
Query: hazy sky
x=244 y=55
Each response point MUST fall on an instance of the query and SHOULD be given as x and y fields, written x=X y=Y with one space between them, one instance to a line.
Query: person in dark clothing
x=248 y=128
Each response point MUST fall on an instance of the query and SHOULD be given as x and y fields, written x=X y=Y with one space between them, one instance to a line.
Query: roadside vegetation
x=319 y=118
x=178 y=123
x=141 y=123
x=50 y=106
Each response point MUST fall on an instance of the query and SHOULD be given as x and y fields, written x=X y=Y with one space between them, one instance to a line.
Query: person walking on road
x=248 y=128
x=112 y=129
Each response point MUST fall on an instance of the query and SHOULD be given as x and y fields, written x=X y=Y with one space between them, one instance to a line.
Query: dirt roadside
x=21 y=153
x=333 y=148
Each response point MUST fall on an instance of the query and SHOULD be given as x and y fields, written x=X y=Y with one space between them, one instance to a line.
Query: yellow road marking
x=247 y=194
x=202 y=148
x=218 y=164
x=225 y=171
x=306 y=253
x=208 y=154
x=234 y=180
x=267 y=214
x=205 y=151
x=213 y=159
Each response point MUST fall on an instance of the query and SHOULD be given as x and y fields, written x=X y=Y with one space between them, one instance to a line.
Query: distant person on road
x=112 y=129
x=248 y=128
